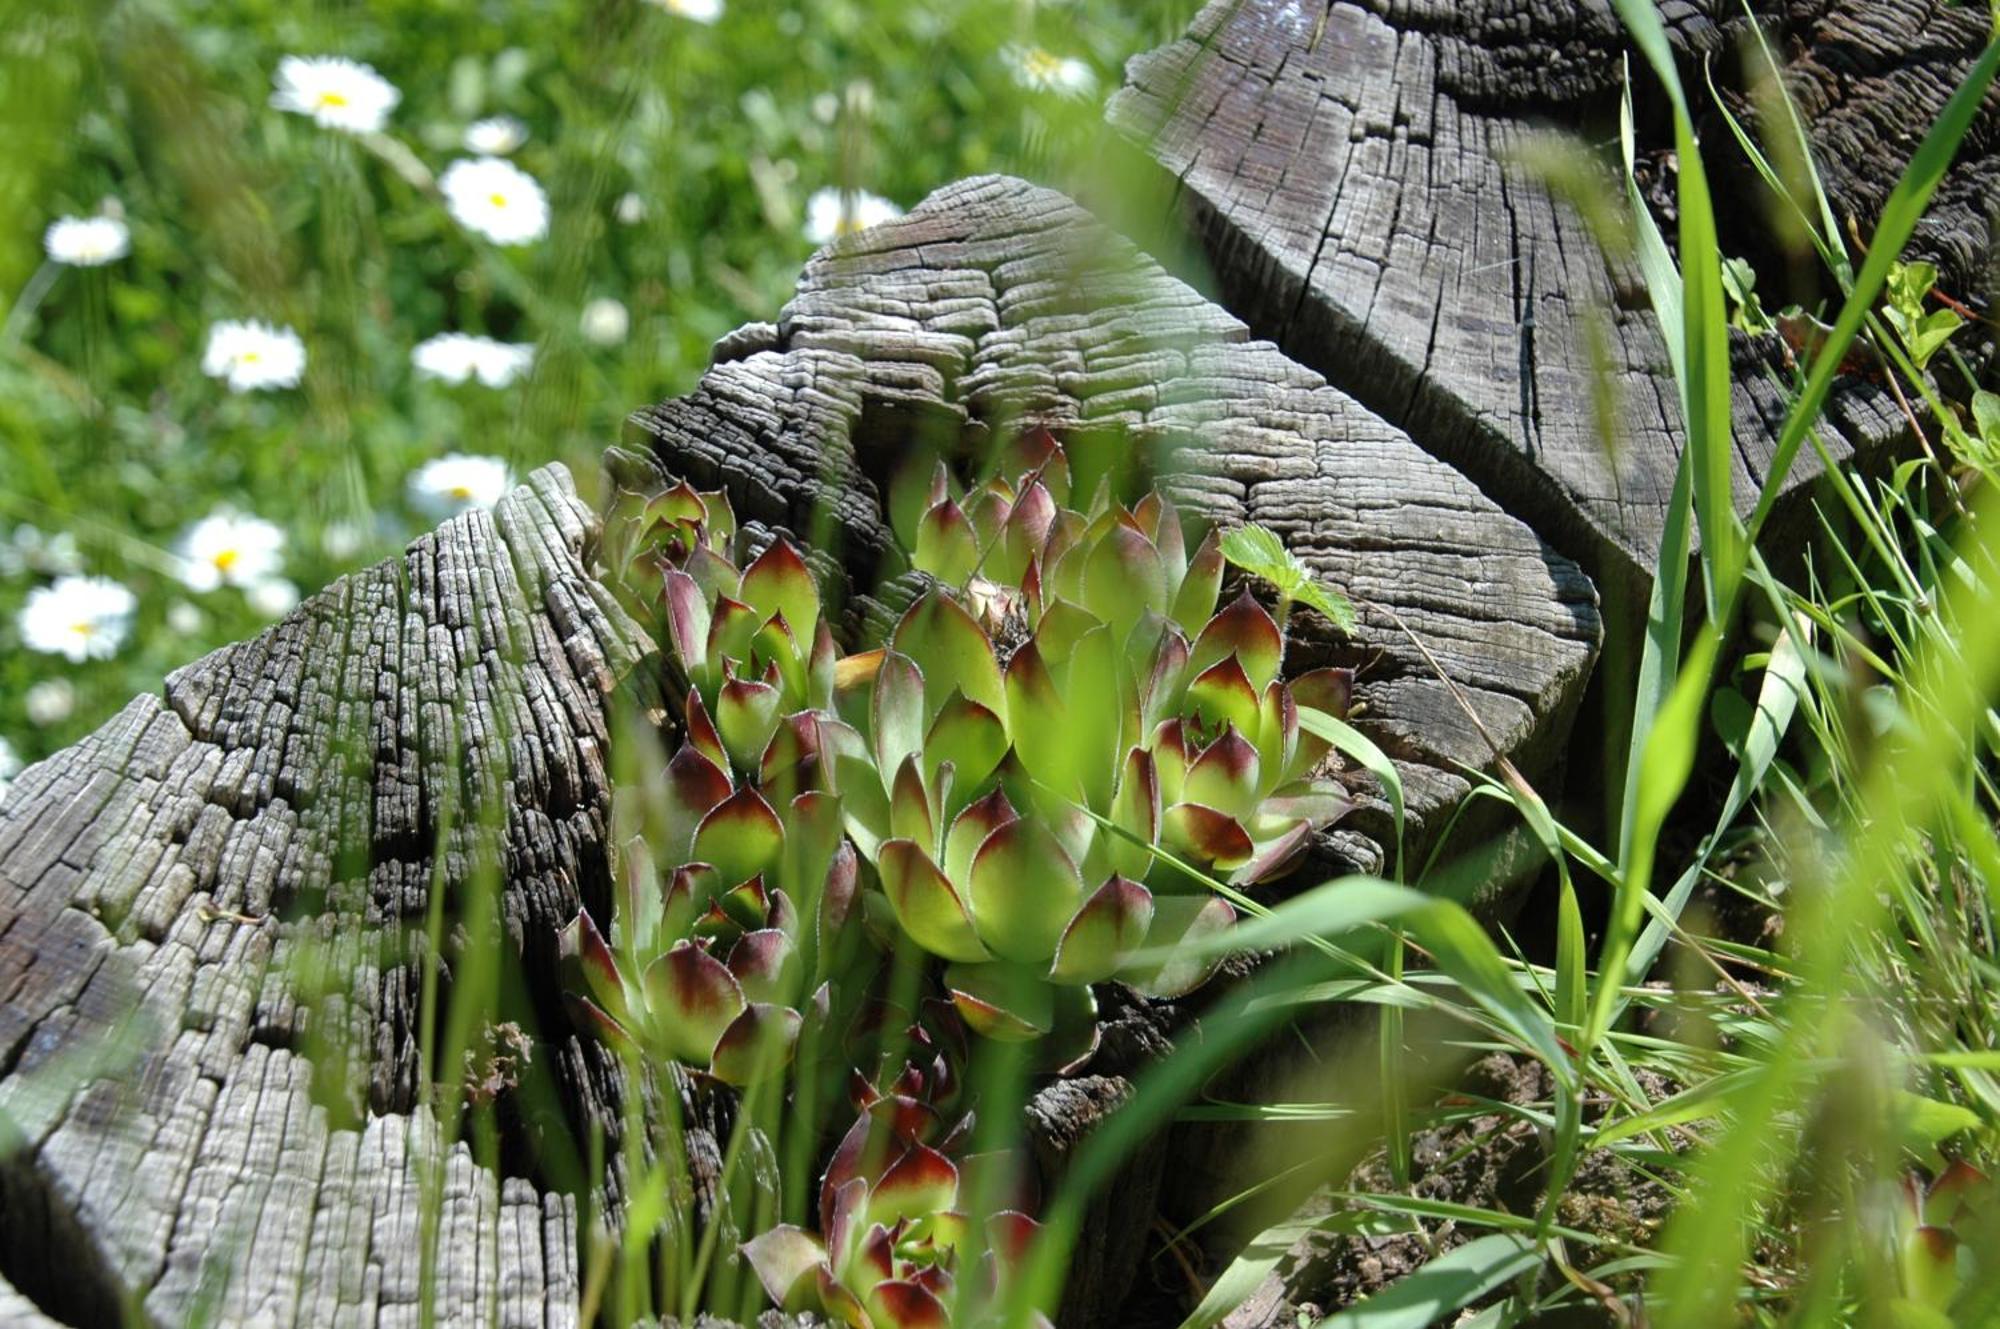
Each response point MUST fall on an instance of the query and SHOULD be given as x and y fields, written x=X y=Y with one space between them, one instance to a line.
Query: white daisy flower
x=1044 y=71
x=49 y=702
x=495 y=136
x=10 y=766
x=251 y=354
x=605 y=322
x=87 y=242
x=457 y=482
x=185 y=619
x=273 y=597
x=631 y=209
x=336 y=92
x=79 y=618
x=226 y=548
x=497 y=199
x=831 y=213
x=701 y=11
x=457 y=356
x=341 y=540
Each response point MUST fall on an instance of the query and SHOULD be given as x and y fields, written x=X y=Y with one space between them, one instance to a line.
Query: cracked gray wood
x=1345 y=166
x=228 y=1139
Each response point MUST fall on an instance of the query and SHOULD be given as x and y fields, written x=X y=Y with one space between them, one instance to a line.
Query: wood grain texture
x=1349 y=168
x=996 y=303
x=240 y=1142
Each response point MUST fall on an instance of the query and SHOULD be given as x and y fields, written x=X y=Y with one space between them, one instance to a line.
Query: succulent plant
x=712 y=958
x=1932 y=1231
x=897 y=1230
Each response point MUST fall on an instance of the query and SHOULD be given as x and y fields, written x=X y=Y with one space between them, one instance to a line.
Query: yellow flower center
x=497 y=200
x=83 y=628
x=847 y=225
x=462 y=493
x=227 y=559
x=332 y=99
x=249 y=357
x=1042 y=64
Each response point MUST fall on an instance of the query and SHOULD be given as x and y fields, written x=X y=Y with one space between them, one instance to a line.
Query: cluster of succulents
x=1034 y=779
x=903 y=1213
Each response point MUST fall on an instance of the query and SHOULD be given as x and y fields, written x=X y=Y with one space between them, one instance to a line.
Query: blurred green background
x=678 y=153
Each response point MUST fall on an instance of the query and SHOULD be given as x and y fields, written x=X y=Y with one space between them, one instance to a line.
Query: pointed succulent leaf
x=1273 y=857
x=1225 y=775
x=1173 y=963
x=1171 y=758
x=921 y=1181
x=691 y=998
x=1318 y=803
x=919 y=483
x=911 y=816
x=1247 y=631
x=584 y=946
x=689 y=892
x=702 y=735
x=1194 y=603
x=757 y=1044
x=1022 y=890
x=970 y=829
x=1124 y=578
x=776 y=651
x=836 y=902
x=1063 y=624
x=970 y=737
x=637 y=915
x=1001 y=1001
x=946 y=546
x=732 y=629
x=988 y=510
x=1135 y=810
x=742 y=836
x=1957 y=1189
x=896 y=718
x=746 y=715
x=952 y=651
x=784 y=1258
x=766 y=965
x=588 y=1017
x=780 y=583
x=696 y=786
x=822 y=668
x=812 y=831
x=1201 y=835
x=876 y=1260
x=790 y=764
x=1026 y=531
x=1277 y=734
x=687 y=621
x=716 y=575
x=1220 y=695
x=926 y=905
x=1111 y=925
x=1041 y=720
x=1095 y=701
x=1171 y=541
x=900 y=1303
x=1010 y=1235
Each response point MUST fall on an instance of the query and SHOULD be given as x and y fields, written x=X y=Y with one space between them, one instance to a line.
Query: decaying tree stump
x=1354 y=173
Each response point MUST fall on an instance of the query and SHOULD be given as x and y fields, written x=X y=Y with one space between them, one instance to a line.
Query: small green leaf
x=742 y=836
x=779 y=582
x=952 y=651
x=1001 y=1001
x=1022 y=890
x=757 y=1044
x=1112 y=924
x=926 y=905
x=691 y=998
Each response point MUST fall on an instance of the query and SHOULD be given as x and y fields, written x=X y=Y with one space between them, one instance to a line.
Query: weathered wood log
x=294 y=794
x=1352 y=172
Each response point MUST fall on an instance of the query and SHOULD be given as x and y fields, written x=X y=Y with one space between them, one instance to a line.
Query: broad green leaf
x=926 y=905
